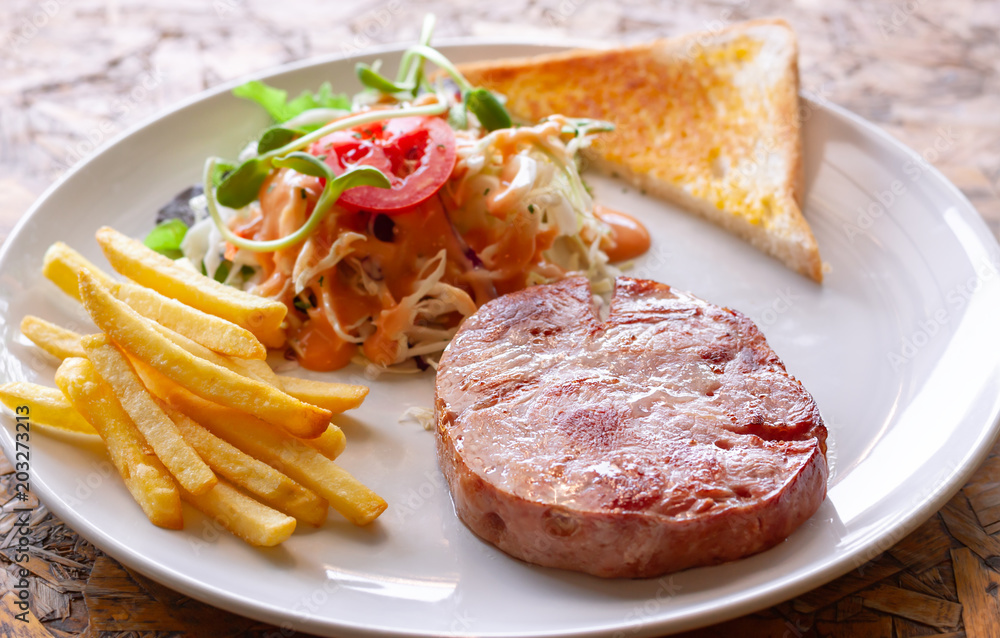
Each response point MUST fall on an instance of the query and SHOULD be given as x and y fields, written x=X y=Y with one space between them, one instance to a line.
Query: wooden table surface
x=75 y=73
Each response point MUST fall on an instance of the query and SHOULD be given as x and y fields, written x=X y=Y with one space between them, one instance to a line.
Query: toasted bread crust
x=708 y=121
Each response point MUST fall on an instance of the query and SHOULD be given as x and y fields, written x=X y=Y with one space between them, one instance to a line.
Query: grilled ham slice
x=667 y=437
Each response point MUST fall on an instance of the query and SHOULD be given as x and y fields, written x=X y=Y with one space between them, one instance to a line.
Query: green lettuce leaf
x=277 y=104
x=166 y=238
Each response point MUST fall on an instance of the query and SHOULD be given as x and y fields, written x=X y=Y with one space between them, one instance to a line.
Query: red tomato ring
x=417 y=154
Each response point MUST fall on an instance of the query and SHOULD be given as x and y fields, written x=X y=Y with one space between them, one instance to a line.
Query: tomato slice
x=417 y=154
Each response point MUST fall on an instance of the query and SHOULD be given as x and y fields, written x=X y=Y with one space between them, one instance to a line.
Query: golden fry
x=254 y=522
x=259 y=370
x=62 y=265
x=262 y=481
x=304 y=464
x=246 y=367
x=200 y=346
x=215 y=333
x=270 y=337
x=330 y=444
x=146 y=478
x=138 y=337
x=56 y=340
x=335 y=397
x=146 y=267
x=157 y=428
x=46 y=406
x=157 y=384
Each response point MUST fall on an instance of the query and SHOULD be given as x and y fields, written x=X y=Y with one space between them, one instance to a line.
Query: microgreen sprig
x=488 y=109
x=371 y=78
x=276 y=137
x=579 y=126
x=309 y=165
x=411 y=68
x=478 y=101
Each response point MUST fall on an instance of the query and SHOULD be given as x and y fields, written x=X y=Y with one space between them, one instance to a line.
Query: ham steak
x=667 y=437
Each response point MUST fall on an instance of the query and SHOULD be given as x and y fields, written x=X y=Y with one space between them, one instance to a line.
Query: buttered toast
x=708 y=121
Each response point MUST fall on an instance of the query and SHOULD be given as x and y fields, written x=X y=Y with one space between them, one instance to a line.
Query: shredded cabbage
x=422 y=416
x=205 y=247
x=539 y=187
x=308 y=268
x=518 y=210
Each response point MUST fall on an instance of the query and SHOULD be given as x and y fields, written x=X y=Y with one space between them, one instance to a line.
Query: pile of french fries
x=177 y=386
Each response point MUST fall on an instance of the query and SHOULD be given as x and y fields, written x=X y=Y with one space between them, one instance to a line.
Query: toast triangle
x=708 y=121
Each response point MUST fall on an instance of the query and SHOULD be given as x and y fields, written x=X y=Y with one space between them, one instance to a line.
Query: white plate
x=899 y=347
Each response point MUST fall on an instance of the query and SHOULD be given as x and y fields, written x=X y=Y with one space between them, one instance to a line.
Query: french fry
x=146 y=267
x=254 y=522
x=270 y=337
x=136 y=335
x=246 y=367
x=313 y=392
x=46 y=406
x=259 y=370
x=179 y=457
x=196 y=344
x=157 y=384
x=56 y=340
x=146 y=478
x=62 y=266
x=262 y=481
x=288 y=455
x=335 y=397
x=330 y=444
x=213 y=332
